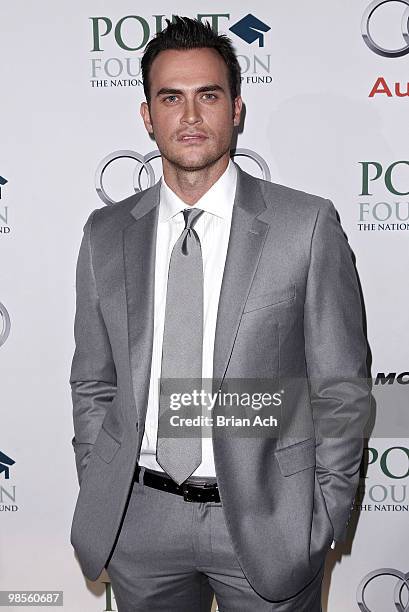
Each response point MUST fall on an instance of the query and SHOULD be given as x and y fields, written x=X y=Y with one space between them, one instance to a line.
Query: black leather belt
x=206 y=492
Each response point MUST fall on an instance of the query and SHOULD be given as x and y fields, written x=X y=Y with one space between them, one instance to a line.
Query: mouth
x=192 y=138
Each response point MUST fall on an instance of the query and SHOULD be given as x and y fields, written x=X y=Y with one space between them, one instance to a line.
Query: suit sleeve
x=336 y=351
x=93 y=374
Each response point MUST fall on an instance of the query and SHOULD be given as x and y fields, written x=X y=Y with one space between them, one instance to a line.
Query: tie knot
x=191 y=215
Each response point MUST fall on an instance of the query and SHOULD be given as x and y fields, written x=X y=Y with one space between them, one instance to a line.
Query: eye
x=210 y=96
x=171 y=99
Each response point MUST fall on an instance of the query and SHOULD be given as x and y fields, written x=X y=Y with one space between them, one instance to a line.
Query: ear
x=146 y=116
x=238 y=103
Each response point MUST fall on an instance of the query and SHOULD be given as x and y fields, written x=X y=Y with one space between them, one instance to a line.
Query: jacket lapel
x=139 y=240
x=247 y=235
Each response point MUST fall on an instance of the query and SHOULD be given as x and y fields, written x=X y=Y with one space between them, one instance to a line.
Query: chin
x=195 y=163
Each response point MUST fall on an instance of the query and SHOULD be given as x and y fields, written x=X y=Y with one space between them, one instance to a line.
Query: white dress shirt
x=213 y=228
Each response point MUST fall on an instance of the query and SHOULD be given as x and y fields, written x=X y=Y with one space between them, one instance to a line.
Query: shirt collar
x=218 y=200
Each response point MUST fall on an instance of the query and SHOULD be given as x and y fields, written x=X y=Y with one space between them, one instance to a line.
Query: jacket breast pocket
x=275 y=297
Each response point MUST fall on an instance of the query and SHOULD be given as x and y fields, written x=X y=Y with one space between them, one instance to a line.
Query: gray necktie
x=182 y=350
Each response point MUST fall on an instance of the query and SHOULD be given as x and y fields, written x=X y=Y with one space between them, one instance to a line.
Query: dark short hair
x=185 y=33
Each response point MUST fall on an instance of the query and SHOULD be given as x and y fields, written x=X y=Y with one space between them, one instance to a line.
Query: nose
x=191 y=114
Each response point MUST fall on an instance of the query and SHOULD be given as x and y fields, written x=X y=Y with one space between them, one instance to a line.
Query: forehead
x=188 y=68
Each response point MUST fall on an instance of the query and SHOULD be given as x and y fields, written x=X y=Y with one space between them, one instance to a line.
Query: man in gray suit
x=213 y=274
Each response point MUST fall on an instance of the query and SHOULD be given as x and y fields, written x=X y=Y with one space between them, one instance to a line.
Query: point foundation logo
x=384 y=203
x=7 y=490
x=117 y=45
x=4 y=226
x=383 y=480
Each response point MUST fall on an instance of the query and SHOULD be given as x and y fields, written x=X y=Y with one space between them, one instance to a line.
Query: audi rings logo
x=4 y=324
x=144 y=166
x=402 y=584
x=372 y=44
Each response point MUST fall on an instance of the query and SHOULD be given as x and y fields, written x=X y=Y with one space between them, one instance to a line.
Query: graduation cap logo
x=3 y=181
x=250 y=29
x=5 y=463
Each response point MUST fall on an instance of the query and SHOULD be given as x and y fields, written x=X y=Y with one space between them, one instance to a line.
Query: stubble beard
x=179 y=163
x=201 y=164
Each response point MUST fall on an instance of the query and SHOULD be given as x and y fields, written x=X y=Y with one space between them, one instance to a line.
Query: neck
x=189 y=185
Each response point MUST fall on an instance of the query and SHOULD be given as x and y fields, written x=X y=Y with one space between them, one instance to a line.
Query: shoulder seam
x=91 y=219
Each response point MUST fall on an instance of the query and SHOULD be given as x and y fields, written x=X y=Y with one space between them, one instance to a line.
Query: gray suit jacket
x=289 y=307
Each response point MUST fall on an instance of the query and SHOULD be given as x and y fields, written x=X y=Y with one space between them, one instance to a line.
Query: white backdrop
x=310 y=116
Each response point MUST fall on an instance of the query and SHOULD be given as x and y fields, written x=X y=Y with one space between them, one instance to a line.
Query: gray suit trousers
x=174 y=556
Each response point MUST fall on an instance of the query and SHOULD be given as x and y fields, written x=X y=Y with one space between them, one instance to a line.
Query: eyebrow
x=202 y=89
